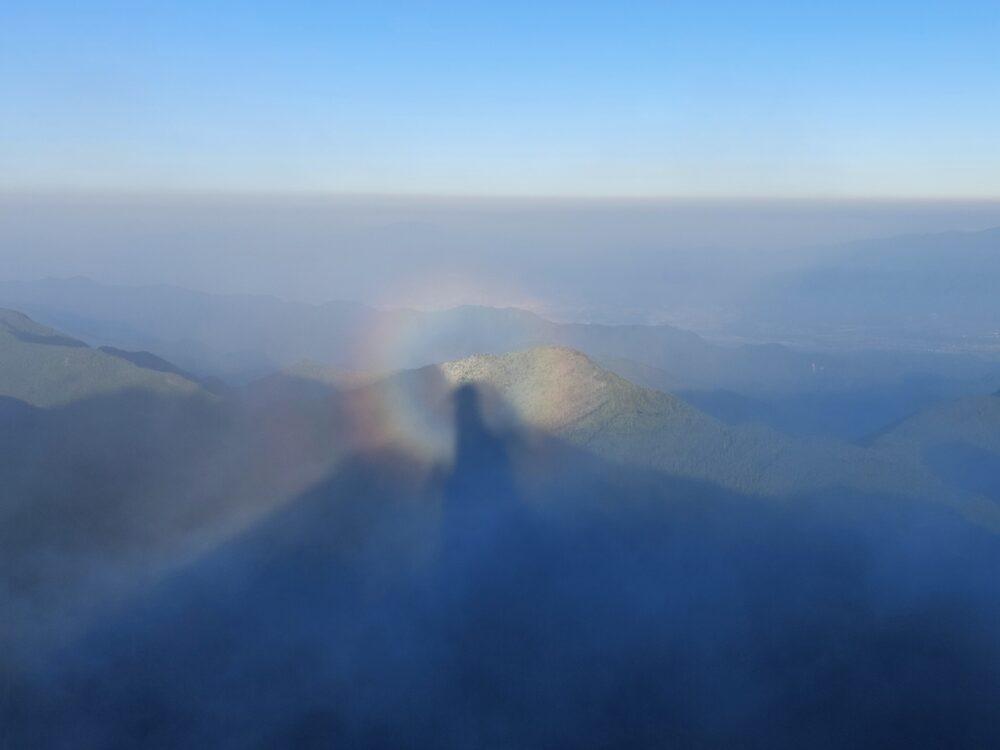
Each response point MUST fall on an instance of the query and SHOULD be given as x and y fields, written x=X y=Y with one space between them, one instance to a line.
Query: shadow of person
x=481 y=504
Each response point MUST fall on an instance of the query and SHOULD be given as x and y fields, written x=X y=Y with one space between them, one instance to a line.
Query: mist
x=679 y=261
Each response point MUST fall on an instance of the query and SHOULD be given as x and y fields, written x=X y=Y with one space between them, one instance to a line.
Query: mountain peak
x=543 y=366
x=552 y=387
x=524 y=360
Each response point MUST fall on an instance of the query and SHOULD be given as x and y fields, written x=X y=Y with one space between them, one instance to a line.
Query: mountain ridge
x=563 y=392
x=43 y=367
x=241 y=338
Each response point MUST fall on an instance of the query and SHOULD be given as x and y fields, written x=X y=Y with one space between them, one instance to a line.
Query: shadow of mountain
x=530 y=594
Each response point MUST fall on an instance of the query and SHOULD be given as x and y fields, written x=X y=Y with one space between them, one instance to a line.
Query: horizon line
x=484 y=197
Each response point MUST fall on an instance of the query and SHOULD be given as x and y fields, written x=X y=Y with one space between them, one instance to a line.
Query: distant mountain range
x=241 y=338
x=238 y=336
x=937 y=289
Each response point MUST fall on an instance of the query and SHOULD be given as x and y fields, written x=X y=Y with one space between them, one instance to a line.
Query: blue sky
x=847 y=99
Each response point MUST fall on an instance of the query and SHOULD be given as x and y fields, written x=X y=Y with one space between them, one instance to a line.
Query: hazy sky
x=537 y=98
x=592 y=259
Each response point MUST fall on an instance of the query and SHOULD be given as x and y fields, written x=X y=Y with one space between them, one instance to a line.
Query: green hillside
x=562 y=392
x=43 y=367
